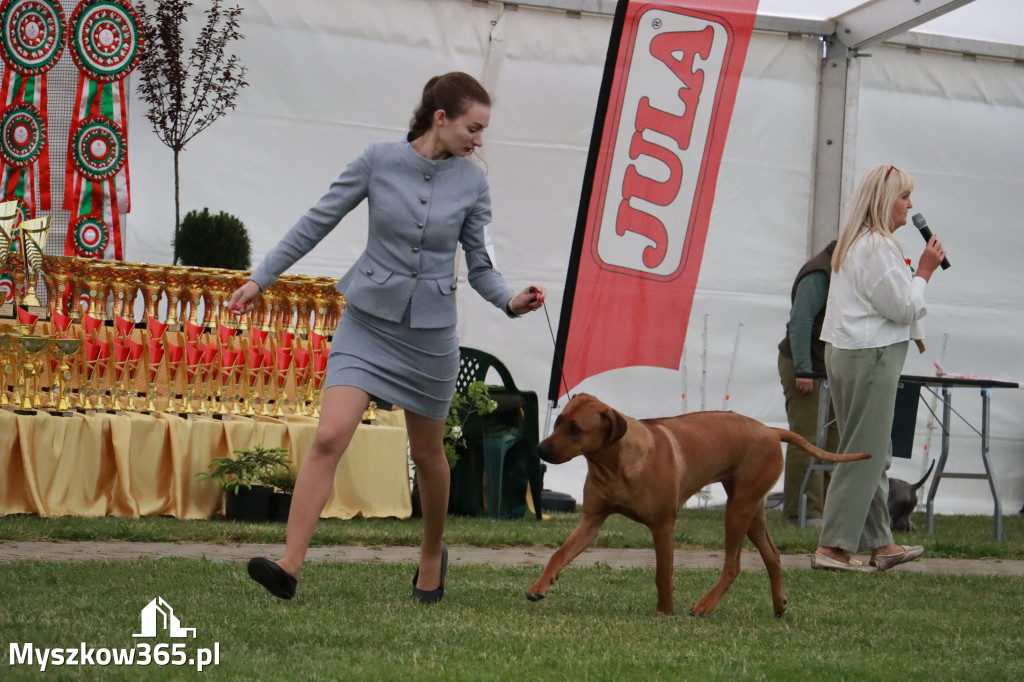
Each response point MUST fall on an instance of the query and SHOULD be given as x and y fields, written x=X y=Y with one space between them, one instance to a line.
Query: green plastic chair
x=506 y=441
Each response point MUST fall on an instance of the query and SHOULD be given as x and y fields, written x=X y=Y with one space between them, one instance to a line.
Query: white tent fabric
x=329 y=78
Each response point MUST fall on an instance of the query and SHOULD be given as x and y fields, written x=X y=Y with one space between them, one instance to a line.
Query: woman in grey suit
x=396 y=340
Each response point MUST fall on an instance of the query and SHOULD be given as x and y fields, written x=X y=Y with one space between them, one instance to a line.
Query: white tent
x=328 y=78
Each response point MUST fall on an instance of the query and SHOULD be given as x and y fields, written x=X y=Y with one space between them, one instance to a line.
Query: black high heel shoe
x=278 y=582
x=431 y=596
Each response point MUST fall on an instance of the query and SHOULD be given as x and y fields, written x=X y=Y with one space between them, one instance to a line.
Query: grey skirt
x=414 y=369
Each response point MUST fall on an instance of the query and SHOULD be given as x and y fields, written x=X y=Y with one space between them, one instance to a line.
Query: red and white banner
x=669 y=85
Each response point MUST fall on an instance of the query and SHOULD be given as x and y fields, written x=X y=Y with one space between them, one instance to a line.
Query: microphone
x=922 y=225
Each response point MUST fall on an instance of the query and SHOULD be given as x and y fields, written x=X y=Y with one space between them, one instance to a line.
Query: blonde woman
x=875 y=304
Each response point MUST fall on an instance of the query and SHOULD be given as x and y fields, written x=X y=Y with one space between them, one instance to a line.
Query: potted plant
x=257 y=483
x=476 y=400
x=282 y=482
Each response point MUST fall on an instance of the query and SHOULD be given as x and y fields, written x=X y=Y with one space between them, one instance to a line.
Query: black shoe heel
x=431 y=596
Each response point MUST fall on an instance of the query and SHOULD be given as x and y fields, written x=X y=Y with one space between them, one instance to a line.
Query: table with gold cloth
x=132 y=465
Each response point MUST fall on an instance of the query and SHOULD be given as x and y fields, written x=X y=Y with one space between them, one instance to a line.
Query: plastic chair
x=506 y=440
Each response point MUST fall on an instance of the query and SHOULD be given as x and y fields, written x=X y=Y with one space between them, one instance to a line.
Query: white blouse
x=873 y=300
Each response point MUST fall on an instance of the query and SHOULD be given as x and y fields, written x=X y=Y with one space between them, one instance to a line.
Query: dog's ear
x=616 y=428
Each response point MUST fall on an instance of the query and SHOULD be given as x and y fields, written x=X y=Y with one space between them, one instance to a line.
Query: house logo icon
x=159 y=613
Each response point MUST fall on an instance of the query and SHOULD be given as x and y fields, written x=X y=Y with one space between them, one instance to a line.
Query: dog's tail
x=920 y=483
x=802 y=443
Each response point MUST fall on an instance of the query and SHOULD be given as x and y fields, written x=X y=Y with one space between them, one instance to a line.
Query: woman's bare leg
x=341 y=410
x=426 y=446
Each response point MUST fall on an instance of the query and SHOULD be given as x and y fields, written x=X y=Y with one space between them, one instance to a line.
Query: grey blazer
x=419 y=211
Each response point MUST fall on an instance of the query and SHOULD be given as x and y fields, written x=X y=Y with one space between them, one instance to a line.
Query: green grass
x=956 y=536
x=357 y=622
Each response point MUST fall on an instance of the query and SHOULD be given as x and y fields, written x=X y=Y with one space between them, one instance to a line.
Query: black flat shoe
x=431 y=596
x=278 y=581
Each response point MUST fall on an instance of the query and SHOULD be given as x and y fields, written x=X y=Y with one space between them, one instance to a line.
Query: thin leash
x=551 y=330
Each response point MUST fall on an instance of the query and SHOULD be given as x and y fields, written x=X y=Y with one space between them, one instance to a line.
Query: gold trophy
x=152 y=289
x=272 y=298
x=291 y=286
x=55 y=275
x=7 y=365
x=174 y=284
x=66 y=349
x=195 y=285
x=220 y=288
x=32 y=347
x=154 y=353
x=266 y=374
x=126 y=288
x=175 y=355
x=119 y=384
x=77 y=270
x=99 y=286
x=8 y=213
x=33 y=243
x=323 y=296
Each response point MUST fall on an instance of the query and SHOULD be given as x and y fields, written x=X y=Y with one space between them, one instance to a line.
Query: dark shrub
x=213 y=241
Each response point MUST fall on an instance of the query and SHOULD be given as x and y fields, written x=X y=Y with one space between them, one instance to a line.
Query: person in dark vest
x=801 y=351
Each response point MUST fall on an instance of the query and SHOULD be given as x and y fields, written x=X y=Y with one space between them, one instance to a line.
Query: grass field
x=357 y=621
x=965 y=537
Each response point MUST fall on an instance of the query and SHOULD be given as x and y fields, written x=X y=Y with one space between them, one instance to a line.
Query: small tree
x=205 y=240
x=185 y=98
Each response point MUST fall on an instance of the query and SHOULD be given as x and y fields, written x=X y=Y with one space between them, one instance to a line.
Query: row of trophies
x=188 y=354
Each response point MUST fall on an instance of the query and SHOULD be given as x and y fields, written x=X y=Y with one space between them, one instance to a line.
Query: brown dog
x=646 y=469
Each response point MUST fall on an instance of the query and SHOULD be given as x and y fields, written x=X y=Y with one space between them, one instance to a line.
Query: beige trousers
x=863 y=385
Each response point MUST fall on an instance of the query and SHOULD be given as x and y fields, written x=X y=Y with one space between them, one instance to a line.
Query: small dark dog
x=903 y=500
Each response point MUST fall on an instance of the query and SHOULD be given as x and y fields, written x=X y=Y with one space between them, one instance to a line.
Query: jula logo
x=653 y=188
